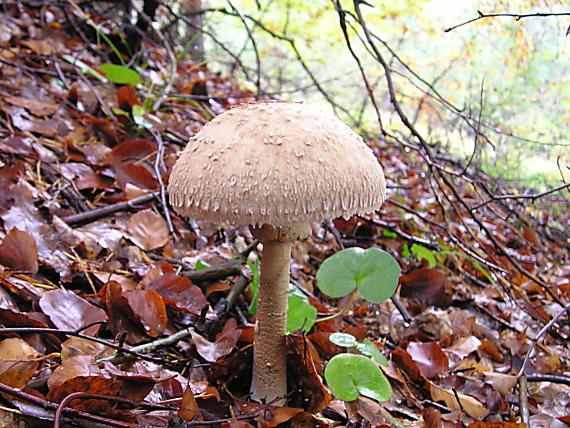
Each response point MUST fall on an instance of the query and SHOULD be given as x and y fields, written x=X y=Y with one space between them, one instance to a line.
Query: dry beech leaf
x=189 y=409
x=19 y=252
x=89 y=384
x=76 y=346
x=68 y=311
x=178 y=292
x=500 y=382
x=303 y=363
x=496 y=425
x=429 y=357
x=224 y=344
x=267 y=416
x=81 y=365
x=432 y=417
x=34 y=106
x=470 y=405
x=17 y=365
x=147 y=230
x=147 y=307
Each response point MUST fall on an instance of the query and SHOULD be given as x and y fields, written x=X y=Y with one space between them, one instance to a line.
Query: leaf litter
x=122 y=281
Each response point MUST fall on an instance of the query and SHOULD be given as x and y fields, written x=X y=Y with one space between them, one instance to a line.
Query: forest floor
x=96 y=267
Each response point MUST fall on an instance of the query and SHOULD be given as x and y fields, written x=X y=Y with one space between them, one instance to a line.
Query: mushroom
x=275 y=166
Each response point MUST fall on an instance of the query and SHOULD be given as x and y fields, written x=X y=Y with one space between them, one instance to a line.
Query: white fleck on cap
x=276 y=163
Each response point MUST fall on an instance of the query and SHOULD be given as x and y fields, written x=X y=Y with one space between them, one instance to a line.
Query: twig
x=98 y=213
x=565 y=380
x=120 y=357
x=44 y=404
x=158 y=167
x=540 y=334
x=81 y=336
x=533 y=197
x=523 y=400
x=516 y=16
x=78 y=395
x=411 y=238
x=255 y=50
x=402 y=309
x=226 y=303
x=215 y=273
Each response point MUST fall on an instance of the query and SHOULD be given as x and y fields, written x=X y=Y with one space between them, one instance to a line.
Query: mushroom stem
x=269 y=383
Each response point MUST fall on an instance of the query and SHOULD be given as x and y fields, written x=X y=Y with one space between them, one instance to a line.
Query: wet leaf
x=68 y=311
x=429 y=357
x=127 y=98
x=148 y=308
x=426 y=286
x=89 y=384
x=19 y=252
x=148 y=230
x=178 y=292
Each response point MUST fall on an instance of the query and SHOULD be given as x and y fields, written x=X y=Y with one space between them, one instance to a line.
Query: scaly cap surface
x=276 y=163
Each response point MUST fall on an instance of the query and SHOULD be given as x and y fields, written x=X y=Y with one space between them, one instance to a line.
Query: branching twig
x=540 y=334
x=516 y=16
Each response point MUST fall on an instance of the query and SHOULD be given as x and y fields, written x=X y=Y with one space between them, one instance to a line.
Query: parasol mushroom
x=275 y=166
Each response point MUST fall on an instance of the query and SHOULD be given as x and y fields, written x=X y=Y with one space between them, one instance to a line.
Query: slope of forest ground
x=96 y=267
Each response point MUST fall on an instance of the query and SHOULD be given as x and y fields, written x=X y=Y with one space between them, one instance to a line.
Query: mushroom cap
x=276 y=163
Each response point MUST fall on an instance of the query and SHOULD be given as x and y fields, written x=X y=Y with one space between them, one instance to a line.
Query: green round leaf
x=369 y=349
x=343 y=339
x=378 y=275
x=349 y=376
x=374 y=272
x=336 y=276
x=300 y=314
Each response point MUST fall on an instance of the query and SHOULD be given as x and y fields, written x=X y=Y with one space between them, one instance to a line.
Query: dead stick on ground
x=98 y=213
x=540 y=334
x=36 y=401
x=158 y=167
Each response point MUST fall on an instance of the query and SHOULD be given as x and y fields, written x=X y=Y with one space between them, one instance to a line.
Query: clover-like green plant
x=374 y=274
x=351 y=375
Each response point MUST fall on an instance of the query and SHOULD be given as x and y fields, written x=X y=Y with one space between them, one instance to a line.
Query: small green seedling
x=365 y=347
x=374 y=274
x=351 y=375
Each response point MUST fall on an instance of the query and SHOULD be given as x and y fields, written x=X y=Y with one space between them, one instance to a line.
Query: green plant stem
x=349 y=303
